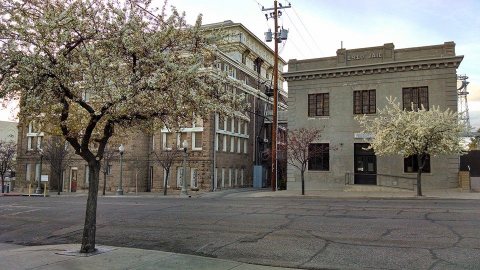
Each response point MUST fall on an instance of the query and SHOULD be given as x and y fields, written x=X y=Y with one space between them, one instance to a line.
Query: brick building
x=222 y=150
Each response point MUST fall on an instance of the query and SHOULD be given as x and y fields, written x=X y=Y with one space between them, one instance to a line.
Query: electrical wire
x=306 y=29
x=300 y=34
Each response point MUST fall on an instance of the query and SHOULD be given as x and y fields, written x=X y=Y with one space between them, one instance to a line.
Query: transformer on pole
x=278 y=36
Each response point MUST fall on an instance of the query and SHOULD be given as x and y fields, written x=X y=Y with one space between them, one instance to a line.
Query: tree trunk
x=89 y=229
x=419 y=175
x=165 y=181
x=303 y=182
x=3 y=183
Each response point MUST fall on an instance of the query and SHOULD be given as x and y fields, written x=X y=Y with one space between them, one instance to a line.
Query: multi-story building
x=327 y=93
x=222 y=150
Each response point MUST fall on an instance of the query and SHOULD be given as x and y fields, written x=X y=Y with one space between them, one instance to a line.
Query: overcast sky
x=318 y=26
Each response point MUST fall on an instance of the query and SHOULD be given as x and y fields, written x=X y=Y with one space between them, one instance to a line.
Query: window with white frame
x=223 y=177
x=196 y=140
x=230 y=172
x=242 y=175
x=179 y=176
x=236 y=177
x=245 y=146
x=29 y=143
x=39 y=142
x=232 y=144
x=224 y=146
x=168 y=140
x=193 y=178
x=245 y=131
x=37 y=171
x=182 y=136
x=28 y=175
x=239 y=145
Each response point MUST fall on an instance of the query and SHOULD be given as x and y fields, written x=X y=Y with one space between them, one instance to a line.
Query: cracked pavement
x=309 y=233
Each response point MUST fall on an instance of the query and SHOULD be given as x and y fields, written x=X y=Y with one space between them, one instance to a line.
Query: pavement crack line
x=321 y=250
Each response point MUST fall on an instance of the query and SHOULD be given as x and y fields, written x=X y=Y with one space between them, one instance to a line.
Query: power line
x=300 y=34
x=308 y=32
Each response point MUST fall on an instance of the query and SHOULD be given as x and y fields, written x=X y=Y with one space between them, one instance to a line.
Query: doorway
x=365 y=165
x=73 y=179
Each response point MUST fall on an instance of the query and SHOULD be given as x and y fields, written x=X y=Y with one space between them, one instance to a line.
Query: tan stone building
x=222 y=150
x=329 y=92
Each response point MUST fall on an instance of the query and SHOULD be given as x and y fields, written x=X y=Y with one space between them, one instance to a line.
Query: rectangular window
x=242 y=175
x=29 y=143
x=318 y=105
x=28 y=174
x=410 y=164
x=364 y=102
x=182 y=136
x=415 y=97
x=223 y=177
x=245 y=146
x=239 y=145
x=224 y=149
x=37 y=171
x=39 y=142
x=197 y=140
x=230 y=175
x=319 y=157
x=168 y=141
x=232 y=144
x=109 y=170
x=193 y=178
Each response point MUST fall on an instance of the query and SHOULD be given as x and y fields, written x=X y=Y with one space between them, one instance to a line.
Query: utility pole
x=278 y=37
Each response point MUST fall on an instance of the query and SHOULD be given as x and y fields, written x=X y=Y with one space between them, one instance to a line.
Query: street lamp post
x=39 y=187
x=183 y=192
x=121 y=149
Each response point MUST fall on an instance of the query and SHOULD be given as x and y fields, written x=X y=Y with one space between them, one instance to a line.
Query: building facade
x=327 y=93
x=222 y=150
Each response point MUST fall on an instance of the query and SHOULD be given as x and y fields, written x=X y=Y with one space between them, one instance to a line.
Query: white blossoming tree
x=85 y=69
x=420 y=133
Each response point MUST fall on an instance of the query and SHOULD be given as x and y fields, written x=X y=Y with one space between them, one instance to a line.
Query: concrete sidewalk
x=66 y=256
x=353 y=191
x=454 y=193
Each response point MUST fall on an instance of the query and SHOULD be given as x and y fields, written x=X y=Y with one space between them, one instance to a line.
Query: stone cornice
x=377 y=68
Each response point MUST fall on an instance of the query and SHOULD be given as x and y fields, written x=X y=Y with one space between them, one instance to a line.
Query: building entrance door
x=73 y=179
x=365 y=165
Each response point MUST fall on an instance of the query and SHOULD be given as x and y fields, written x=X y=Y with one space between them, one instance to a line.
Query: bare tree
x=300 y=151
x=57 y=153
x=7 y=154
x=166 y=158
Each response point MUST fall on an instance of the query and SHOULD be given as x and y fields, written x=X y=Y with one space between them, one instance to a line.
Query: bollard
x=29 y=190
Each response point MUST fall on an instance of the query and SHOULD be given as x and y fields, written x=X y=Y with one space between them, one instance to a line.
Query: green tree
x=87 y=69
x=419 y=133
